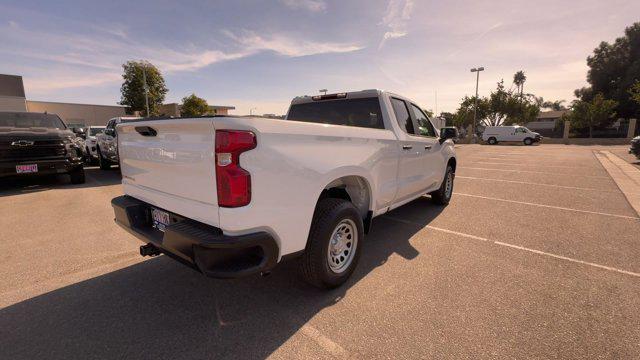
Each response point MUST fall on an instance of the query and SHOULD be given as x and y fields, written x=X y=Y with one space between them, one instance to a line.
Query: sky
x=258 y=55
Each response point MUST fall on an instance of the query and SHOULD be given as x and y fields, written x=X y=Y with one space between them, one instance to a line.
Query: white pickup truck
x=232 y=196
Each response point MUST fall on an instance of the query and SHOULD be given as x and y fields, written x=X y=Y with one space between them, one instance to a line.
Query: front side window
x=402 y=115
x=425 y=128
x=360 y=112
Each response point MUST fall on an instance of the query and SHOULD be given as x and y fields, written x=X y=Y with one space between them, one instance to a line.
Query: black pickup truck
x=38 y=144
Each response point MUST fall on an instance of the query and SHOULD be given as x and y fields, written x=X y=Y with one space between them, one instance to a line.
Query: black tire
x=104 y=163
x=492 y=141
x=77 y=176
x=329 y=215
x=528 y=141
x=442 y=196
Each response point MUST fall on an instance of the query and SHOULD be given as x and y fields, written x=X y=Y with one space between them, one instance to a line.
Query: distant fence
x=621 y=130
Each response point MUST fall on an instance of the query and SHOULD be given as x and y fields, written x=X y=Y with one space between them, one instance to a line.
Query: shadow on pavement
x=28 y=184
x=161 y=309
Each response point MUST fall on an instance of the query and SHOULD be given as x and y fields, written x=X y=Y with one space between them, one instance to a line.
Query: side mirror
x=110 y=132
x=448 y=133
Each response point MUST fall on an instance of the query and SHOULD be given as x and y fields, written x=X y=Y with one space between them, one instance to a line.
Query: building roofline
x=66 y=103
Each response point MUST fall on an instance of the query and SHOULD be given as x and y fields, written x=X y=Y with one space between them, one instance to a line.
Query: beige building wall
x=78 y=113
x=12 y=103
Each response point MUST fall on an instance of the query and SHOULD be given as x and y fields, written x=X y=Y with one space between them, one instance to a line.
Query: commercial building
x=13 y=98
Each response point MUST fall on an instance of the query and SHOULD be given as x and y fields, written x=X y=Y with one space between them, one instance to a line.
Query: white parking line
x=327 y=344
x=518 y=247
x=536 y=184
x=549 y=206
x=538 y=163
x=533 y=172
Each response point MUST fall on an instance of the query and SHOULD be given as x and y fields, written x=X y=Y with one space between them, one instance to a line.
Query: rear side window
x=364 y=112
x=402 y=115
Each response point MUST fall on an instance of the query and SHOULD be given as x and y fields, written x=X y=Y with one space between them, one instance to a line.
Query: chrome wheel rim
x=342 y=246
x=449 y=185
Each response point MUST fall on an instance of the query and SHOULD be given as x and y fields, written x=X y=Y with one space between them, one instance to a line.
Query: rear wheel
x=104 y=163
x=492 y=141
x=442 y=196
x=77 y=176
x=528 y=141
x=333 y=246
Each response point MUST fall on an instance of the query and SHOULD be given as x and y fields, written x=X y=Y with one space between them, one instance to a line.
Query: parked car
x=91 y=141
x=107 y=144
x=495 y=134
x=635 y=147
x=38 y=144
x=232 y=196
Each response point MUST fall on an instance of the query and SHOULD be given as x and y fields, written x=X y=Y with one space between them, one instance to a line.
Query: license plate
x=160 y=219
x=25 y=169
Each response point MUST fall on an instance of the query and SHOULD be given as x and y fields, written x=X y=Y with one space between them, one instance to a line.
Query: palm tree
x=519 y=78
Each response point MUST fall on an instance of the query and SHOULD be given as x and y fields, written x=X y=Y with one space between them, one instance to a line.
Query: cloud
x=309 y=5
x=287 y=46
x=396 y=20
x=95 y=57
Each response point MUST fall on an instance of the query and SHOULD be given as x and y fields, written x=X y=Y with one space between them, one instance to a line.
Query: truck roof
x=341 y=95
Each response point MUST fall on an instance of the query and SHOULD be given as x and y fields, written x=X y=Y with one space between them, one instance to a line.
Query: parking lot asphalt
x=537 y=256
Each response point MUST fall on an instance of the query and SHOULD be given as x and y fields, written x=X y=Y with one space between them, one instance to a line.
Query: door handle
x=427 y=147
x=407 y=147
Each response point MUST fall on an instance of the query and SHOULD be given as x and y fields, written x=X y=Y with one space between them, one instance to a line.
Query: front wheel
x=528 y=141
x=442 y=196
x=333 y=246
x=492 y=141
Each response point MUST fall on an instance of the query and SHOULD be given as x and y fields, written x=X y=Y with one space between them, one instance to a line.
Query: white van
x=494 y=134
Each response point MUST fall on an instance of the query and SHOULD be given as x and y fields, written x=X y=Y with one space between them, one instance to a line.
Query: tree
x=464 y=115
x=132 y=90
x=507 y=108
x=613 y=69
x=635 y=92
x=194 y=106
x=599 y=112
x=448 y=118
x=554 y=105
x=518 y=79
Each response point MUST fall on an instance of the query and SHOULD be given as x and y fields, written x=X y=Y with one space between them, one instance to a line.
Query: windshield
x=364 y=112
x=95 y=131
x=28 y=120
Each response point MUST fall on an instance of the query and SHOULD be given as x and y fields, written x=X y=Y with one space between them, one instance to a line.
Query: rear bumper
x=198 y=245
x=45 y=167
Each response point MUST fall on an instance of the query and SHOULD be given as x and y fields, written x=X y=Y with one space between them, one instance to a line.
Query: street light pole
x=475 y=107
x=146 y=87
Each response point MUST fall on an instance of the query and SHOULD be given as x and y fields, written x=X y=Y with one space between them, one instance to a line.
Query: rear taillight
x=233 y=182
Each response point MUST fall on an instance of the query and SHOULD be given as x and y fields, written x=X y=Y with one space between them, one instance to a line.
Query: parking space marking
x=533 y=172
x=518 y=247
x=327 y=344
x=537 y=184
x=538 y=163
x=549 y=206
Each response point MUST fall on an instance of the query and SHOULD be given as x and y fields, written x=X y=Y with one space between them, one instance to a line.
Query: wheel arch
x=353 y=188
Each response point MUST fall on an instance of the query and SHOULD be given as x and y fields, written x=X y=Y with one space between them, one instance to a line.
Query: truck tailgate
x=171 y=163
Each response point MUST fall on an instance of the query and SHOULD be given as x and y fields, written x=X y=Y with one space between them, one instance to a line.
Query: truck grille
x=41 y=149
